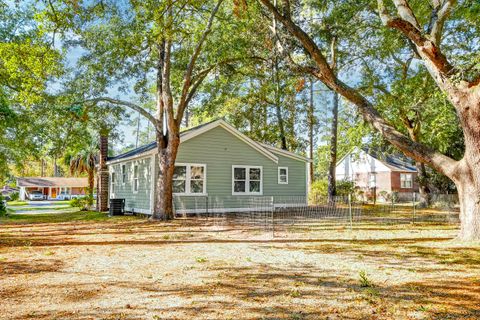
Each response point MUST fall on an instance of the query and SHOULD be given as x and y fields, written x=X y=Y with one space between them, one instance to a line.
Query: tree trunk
x=55 y=167
x=311 y=124
x=278 y=108
x=423 y=188
x=333 y=150
x=91 y=181
x=469 y=197
x=413 y=128
x=166 y=167
x=467 y=173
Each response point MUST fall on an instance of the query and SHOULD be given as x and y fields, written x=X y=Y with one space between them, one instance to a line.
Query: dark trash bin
x=117 y=207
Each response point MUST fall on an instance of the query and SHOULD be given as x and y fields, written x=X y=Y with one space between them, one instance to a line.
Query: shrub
x=14 y=196
x=84 y=203
x=385 y=195
x=364 y=281
x=344 y=187
x=3 y=208
x=319 y=188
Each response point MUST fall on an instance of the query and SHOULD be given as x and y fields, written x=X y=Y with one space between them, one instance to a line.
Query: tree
x=85 y=162
x=461 y=85
x=175 y=42
x=28 y=60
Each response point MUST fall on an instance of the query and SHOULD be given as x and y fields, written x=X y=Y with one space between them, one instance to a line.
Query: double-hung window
x=406 y=180
x=135 y=178
x=189 y=179
x=283 y=175
x=247 y=180
x=124 y=174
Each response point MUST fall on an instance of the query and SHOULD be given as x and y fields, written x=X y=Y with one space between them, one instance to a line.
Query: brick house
x=374 y=172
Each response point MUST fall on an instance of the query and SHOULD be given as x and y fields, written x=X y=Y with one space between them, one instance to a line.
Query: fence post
x=350 y=210
x=206 y=206
x=273 y=221
x=414 y=207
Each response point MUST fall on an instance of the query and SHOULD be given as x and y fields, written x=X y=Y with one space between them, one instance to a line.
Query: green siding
x=139 y=201
x=219 y=149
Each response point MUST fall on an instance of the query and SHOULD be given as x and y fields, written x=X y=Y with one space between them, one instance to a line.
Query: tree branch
x=193 y=59
x=426 y=48
x=440 y=13
x=406 y=13
x=413 y=149
x=124 y=103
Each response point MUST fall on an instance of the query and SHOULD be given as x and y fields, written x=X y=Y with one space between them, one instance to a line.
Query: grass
x=400 y=272
x=43 y=208
x=16 y=203
x=91 y=216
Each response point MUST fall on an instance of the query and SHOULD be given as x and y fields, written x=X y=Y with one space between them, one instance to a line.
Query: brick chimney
x=103 y=175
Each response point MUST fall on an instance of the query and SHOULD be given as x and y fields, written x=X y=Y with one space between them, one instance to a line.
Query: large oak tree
x=422 y=28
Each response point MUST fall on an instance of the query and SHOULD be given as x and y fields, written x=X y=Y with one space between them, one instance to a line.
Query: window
x=135 y=178
x=246 y=180
x=124 y=174
x=283 y=175
x=113 y=181
x=406 y=180
x=189 y=179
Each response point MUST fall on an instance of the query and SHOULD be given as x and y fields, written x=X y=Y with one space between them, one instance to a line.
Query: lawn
x=85 y=265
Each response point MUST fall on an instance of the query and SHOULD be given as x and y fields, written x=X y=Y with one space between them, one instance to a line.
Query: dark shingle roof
x=392 y=161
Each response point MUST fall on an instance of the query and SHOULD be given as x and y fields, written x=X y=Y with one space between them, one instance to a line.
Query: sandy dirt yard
x=188 y=269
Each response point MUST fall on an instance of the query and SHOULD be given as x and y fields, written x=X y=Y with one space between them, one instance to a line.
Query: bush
x=3 y=208
x=84 y=203
x=320 y=188
x=344 y=188
x=14 y=196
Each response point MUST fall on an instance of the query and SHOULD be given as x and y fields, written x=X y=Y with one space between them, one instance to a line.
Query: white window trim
x=124 y=173
x=133 y=178
x=187 y=179
x=247 y=181
x=113 y=183
x=279 y=181
x=410 y=180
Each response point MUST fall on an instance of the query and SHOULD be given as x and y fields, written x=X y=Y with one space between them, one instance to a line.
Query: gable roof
x=286 y=153
x=52 y=182
x=394 y=163
x=191 y=133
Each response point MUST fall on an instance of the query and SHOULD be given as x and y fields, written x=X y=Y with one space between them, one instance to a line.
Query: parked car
x=36 y=195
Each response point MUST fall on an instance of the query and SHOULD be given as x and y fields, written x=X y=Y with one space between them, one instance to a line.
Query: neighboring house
x=7 y=191
x=53 y=188
x=215 y=163
x=371 y=170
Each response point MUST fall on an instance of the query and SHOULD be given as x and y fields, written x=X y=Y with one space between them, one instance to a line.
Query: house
x=53 y=188
x=217 y=167
x=371 y=171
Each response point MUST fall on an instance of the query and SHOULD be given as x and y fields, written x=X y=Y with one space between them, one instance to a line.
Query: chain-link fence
x=283 y=215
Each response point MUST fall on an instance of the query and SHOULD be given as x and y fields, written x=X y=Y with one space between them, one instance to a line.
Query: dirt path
x=141 y=270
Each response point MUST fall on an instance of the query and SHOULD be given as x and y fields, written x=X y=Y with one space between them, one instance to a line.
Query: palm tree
x=84 y=162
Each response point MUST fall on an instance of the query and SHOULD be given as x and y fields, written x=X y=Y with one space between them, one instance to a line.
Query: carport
x=53 y=188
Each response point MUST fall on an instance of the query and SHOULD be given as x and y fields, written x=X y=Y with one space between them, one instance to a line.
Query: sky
x=125 y=128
